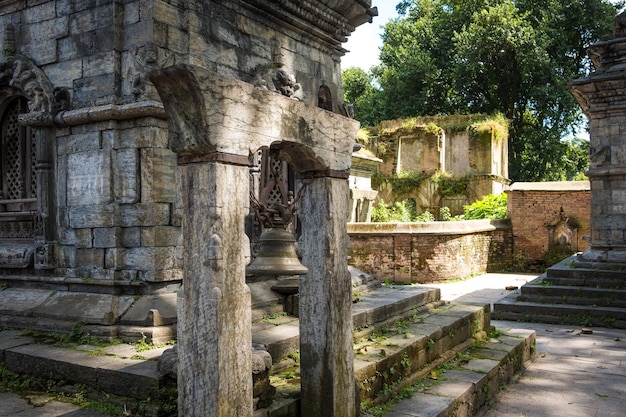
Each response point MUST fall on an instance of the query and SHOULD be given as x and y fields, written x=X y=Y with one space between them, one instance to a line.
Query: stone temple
x=135 y=135
x=102 y=101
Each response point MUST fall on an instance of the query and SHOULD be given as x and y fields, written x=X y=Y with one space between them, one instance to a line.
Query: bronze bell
x=277 y=255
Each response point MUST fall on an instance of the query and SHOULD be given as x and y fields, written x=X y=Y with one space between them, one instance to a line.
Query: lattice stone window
x=18 y=190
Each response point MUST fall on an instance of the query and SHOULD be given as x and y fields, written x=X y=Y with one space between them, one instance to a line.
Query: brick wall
x=430 y=252
x=536 y=208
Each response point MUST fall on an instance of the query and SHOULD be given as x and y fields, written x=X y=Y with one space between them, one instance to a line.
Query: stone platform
x=124 y=310
x=569 y=295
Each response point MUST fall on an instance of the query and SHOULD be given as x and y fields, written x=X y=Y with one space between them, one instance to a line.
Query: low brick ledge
x=464 y=227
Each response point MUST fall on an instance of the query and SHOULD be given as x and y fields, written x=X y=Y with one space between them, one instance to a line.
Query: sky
x=364 y=43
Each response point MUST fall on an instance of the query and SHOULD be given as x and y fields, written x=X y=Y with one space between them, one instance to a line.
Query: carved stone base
x=602 y=258
x=16 y=256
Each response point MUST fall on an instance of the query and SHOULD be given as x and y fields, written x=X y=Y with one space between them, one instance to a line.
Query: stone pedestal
x=602 y=96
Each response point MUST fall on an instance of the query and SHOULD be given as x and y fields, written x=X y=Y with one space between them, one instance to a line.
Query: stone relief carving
x=16 y=257
x=145 y=59
x=18 y=72
x=279 y=81
x=600 y=155
x=61 y=100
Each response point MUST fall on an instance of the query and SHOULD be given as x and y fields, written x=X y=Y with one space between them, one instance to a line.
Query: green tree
x=514 y=57
x=359 y=90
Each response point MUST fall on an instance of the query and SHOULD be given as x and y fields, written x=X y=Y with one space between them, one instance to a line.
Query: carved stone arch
x=26 y=100
x=19 y=73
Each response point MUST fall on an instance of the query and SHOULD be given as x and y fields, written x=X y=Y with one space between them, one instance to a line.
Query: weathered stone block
x=141 y=258
x=74 y=47
x=92 y=18
x=104 y=40
x=155 y=136
x=126 y=175
x=89 y=178
x=137 y=34
x=82 y=142
x=143 y=214
x=131 y=236
x=169 y=14
x=81 y=238
x=158 y=175
x=99 y=64
x=91 y=91
x=106 y=237
x=161 y=236
x=64 y=73
x=131 y=12
x=162 y=275
x=92 y=216
x=41 y=12
x=90 y=258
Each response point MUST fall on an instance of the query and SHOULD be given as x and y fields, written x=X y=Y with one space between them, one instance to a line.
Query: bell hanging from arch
x=277 y=255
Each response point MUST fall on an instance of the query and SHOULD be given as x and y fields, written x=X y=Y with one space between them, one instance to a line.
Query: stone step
x=564 y=274
x=279 y=334
x=511 y=308
x=390 y=355
x=456 y=382
x=569 y=295
x=120 y=370
x=544 y=291
x=105 y=316
x=461 y=387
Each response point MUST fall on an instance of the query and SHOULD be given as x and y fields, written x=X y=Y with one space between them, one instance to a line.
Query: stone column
x=602 y=96
x=326 y=353
x=214 y=312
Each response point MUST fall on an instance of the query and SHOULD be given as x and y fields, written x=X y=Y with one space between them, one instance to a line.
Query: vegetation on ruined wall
x=514 y=57
x=494 y=129
x=493 y=207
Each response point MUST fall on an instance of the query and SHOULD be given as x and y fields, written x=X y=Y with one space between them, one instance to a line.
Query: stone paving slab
x=13 y=406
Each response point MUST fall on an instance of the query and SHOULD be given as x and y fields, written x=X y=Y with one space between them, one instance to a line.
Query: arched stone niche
x=34 y=210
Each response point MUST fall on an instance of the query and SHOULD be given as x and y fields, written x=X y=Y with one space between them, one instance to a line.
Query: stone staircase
x=448 y=356
x=565 y=294
x=410 y=347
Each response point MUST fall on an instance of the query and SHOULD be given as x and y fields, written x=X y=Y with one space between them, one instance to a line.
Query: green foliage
x=554 y=256
x=512 y=57
x=494 y=129
x=445 y=214
x=492 y=206
x=449 y=185
x=359 y=90
x=406 y=181
x=399 y=212
x=425 y=217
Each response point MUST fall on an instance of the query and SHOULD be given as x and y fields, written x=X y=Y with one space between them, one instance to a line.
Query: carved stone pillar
x=602 y=96
x=327 y=371
x=214 y=371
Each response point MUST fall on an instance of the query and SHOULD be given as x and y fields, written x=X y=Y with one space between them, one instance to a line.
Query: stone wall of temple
x=110 y=197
